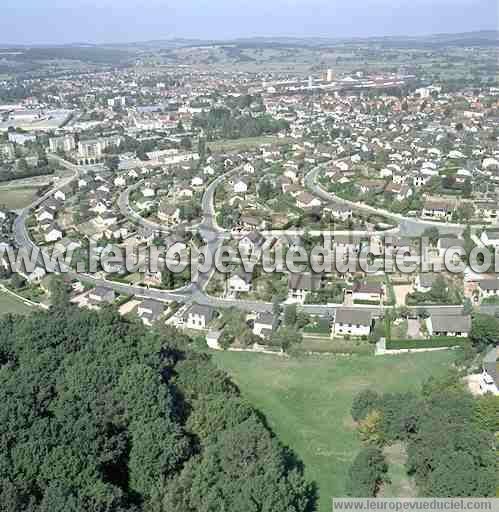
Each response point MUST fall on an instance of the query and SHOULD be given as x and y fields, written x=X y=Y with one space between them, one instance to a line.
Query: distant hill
x=477 y=38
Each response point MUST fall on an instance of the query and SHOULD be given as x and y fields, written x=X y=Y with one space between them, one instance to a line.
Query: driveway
x=413 y=329
x=401 y=292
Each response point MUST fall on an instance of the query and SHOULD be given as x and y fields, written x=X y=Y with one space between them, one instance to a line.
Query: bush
x=436 y=342
x=364 y=403
x=366 y=473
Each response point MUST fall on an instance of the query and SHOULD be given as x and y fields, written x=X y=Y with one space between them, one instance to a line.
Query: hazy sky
x=66 y=21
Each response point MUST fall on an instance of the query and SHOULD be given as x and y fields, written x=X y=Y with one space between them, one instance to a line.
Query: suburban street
x=407 y=226
x=214 y=236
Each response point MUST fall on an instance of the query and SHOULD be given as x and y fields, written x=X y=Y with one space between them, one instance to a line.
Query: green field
x=16 y=198
x=9 y=304
x=246 y=143
x=307 y=401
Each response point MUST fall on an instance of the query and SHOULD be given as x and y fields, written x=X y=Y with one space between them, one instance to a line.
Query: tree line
x=448 y=434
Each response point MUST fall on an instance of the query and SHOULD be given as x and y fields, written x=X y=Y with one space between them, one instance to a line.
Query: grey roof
x=447 y=243
x=353 y=316
x=304 y=281
x=451 y=323
x=255 y=237
x=492 y=234
x=365 y=287
x=426 y=280
x=205 y=311
x=101 y=290
x=490 y=364
x=265 y=318
x=436 y=205
x=489 y=284
x=337 y=207
x=156 y=308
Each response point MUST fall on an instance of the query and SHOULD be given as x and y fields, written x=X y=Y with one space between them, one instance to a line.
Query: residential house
x=354 y=322
x=249 y=222
x=60 y=195
x=52 y=234
x=367 y=292
x=239 y=282
x=145 y=234
x=306 y=200
x=120 y=181
x=106 y=219
x=44 y=214
x=148 y=190
x=421 y=179
x=198 y=317
x=458 y=326
x=101 y=295
x=488 y=288
x=424 y=282
x=265 y=324
x=249 y=168
x=213 y=339
x=168 y=213
x=240 y=186
x=489 y=378
x=36 y=276
x=149 y=311
x=251 y=242
x=399 y=192
x=487 y=211
x=490 y=237
x=440 y=210
x=151 y=278
x=340 y=212
x=301 y=285
x=116 y=232
x=368 y=186
x=197 y=182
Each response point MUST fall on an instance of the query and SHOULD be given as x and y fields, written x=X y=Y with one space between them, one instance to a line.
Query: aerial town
x=367 y=162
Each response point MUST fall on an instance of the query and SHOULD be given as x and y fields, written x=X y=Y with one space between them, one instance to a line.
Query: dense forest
x=448 y=434
x=226 y=124
x=100 y=414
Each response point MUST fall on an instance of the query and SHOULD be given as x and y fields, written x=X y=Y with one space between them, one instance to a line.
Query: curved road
x=407 y=226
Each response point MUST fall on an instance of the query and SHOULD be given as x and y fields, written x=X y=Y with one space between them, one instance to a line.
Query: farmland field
x=307 y=402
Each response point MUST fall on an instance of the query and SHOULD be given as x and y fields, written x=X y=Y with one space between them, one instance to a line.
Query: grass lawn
x=9 y=304
x=325 y=344
x=16 y=198
x=246 y=143
x=307 y=401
